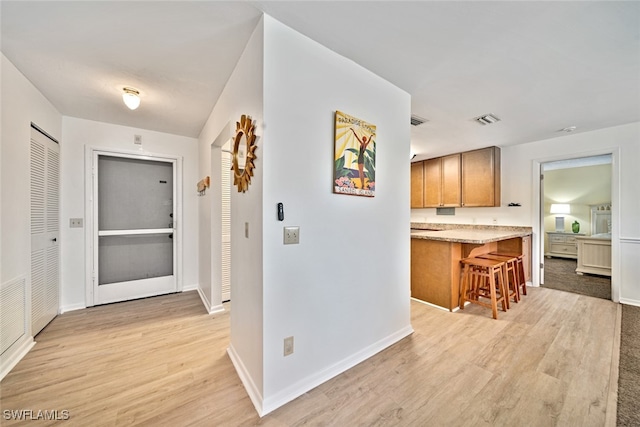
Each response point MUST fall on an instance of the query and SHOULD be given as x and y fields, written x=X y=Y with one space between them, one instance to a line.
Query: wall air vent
x=417 y=121
x=487 y=119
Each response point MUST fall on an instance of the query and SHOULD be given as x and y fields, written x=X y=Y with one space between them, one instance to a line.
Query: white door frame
x=538 y=216
x=210 y=287
x=91 y=245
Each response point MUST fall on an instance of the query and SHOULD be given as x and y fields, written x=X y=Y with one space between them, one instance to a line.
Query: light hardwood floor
x=163 y=361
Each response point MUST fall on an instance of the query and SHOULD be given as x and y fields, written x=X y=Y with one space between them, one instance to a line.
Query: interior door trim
x=536 y=212
x=91 y=153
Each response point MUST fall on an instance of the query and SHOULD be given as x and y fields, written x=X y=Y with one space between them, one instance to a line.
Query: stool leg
x=505 y=278
x=521 y=276
x=492 y=291
x=465 y=285
x=504 y=291
x=512 y=267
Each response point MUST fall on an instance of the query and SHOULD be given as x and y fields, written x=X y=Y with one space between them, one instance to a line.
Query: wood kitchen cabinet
x=481 y=177
x=469 y=179
x=442 y=182
x=417 y=185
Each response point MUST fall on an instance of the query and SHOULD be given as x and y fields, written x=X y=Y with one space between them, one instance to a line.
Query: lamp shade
x=560 y=208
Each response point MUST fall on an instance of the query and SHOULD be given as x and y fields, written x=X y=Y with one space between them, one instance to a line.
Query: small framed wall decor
x=244 y=148
x=354 y=156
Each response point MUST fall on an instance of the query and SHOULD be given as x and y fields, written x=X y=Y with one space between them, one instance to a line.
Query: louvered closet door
x=45 y=224
x=225 y=182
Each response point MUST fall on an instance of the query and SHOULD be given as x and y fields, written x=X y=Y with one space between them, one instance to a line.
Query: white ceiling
x=539 y=66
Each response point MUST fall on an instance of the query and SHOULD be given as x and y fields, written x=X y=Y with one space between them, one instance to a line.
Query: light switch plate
x=75 y=222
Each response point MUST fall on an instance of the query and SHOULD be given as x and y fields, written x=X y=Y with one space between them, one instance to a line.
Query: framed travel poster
x=355 y=156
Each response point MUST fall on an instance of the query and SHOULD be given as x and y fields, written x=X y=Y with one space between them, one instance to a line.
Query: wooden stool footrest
x=483 y=278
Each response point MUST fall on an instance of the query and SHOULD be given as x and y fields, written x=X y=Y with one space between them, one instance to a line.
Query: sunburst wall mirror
x=244 y=148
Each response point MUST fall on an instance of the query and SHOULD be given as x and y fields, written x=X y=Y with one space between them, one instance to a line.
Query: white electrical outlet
x=291 y=235
x=288 y=346
x=75 y=222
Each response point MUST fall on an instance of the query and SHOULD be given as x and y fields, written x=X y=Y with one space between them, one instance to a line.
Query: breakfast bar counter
x=475 y=236
x=436 y=251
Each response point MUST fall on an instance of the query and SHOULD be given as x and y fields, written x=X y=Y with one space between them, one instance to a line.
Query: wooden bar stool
x=522 y=282
x=510 y=272
x=483 y=278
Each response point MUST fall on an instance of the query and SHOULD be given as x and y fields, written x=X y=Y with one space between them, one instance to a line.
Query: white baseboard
x=254 y=394
x=434 y=305
x=299 y=388
x=216 y=309
x=628 y=301
x=14 y=354
x=74 y=307
x=191 y=287
x=211 y=309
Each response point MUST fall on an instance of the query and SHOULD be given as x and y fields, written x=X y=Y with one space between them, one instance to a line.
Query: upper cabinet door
x=417 y=183
x=481 y=177
x=433 y=183
x=451 y=181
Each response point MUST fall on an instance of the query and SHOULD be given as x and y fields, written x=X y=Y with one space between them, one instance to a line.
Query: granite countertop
x=467 y=233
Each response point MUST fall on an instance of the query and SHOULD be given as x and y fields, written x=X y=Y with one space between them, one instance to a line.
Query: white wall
x=242 y=95
x=80 y=133
x=518 y=185
x=343 y=292
x=581 y=187
x=21 y=104
x=338 y=312
x=624 y=143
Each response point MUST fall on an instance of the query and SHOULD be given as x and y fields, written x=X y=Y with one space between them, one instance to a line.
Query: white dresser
x=563 y=245
x=594 y=254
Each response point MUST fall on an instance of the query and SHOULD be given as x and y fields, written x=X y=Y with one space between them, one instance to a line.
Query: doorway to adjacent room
x=576 y=225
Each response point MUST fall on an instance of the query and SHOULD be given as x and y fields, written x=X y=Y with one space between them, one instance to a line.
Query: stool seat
x=483 y=278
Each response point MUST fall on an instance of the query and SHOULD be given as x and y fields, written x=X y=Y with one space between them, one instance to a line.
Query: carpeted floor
x=560 y=273
x=629 y=372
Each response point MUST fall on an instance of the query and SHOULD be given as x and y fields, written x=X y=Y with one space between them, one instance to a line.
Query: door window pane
x=134 y=257
x=134 y=194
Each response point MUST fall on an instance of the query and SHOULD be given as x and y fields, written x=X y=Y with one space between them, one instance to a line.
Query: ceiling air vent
x=487 y=119
x=417 y=121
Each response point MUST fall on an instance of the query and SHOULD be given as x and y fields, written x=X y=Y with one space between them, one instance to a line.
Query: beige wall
x=581 y=187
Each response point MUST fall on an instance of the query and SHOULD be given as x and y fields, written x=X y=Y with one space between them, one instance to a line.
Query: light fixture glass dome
x=131 y=98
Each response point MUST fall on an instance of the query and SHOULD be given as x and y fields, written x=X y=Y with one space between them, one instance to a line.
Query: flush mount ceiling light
x=568 y=129
x=131 y=97
x=487 y=119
